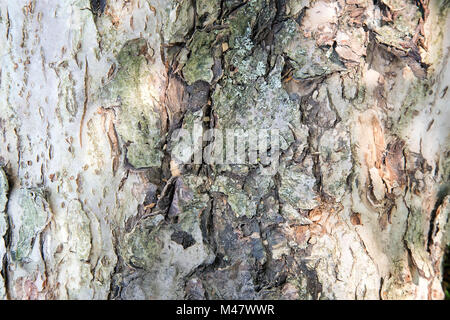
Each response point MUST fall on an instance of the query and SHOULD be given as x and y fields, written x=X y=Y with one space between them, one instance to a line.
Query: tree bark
x=94 y=204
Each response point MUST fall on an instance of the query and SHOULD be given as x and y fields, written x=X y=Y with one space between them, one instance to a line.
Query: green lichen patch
x=416 y=240
x=294 y=7
x=142 y=245
x=34 y=217
x=390 y=36
x=192 y=200
x=179 y=20
x=258 y=185
x=146 y=246
x=399 y=32
x=307 y=59
x=139 y=120
x=199 y=64
x=245 y=19
x=169 y=252
x=251 y=100
x=407 y=15
x=208 y=11
x=239 y=201
x=413 y=102
x=297 y=188
x=79 y=229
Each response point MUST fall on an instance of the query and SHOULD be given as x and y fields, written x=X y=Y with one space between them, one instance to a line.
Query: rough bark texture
x=92 y=206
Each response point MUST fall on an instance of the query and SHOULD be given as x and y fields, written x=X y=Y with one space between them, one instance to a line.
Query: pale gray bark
x=92 y=206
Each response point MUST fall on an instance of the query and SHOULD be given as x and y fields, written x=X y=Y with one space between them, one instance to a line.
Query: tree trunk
x=101 y=198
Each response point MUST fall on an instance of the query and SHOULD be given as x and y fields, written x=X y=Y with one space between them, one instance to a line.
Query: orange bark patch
x=355 y=219
x=301 y=234
x=393 y=169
